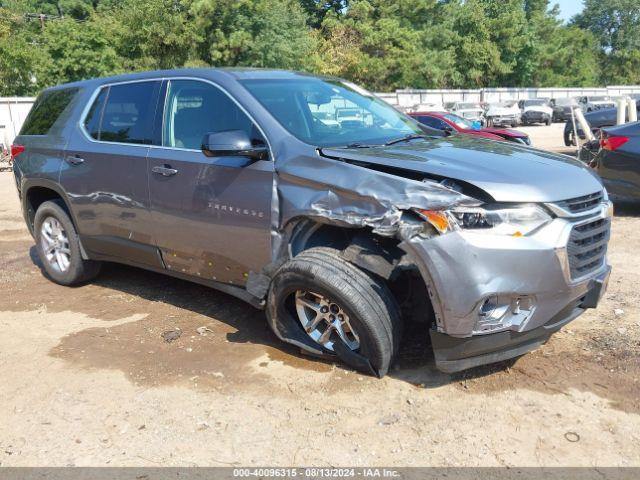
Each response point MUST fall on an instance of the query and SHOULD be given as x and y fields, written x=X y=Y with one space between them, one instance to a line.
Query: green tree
x=150 y=34
x=75 y=51
x=616 y=26
x=20 y=59
x=261 y=33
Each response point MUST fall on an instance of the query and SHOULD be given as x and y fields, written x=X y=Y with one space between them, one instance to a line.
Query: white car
x=471 y=111
x=501 y=114
x=349 y=116
x=536 y=110
x=592 y=103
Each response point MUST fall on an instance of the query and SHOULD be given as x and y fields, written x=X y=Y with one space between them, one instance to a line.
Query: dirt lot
x=548 y=138
x=87 y=379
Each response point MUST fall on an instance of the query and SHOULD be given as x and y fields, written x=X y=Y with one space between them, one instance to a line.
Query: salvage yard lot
x=89 y=379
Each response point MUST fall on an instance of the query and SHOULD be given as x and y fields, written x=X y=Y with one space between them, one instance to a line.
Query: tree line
x=381 y=44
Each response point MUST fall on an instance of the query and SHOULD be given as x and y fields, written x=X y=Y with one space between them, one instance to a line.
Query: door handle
x=164 y=171
x=74 y=160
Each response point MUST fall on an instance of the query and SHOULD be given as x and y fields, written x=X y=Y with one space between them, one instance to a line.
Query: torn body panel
x=312 y=189
x=334 y=191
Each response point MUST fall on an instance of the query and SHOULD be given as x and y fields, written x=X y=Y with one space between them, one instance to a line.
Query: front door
x=105 y=173
x=211 y=215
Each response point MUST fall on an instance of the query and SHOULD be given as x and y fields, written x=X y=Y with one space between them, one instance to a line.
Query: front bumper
x=535 y=117
x=465 y=269
x=503 y=120
x=562 y=115
x=456 y=354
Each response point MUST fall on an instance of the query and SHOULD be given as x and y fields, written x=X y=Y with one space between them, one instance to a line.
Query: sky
x=568 y=8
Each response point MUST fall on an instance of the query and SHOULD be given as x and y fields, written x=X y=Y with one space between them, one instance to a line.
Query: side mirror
x=232 y=143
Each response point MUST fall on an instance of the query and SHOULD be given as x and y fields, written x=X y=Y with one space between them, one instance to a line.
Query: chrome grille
x=581 y=204
x=588 y=246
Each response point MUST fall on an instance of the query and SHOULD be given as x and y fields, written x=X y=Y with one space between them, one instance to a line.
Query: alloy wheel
x=55 y=244
x=320 y=317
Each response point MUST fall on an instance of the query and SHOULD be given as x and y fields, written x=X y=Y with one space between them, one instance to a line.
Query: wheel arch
x=386 y=257
x=38 y=191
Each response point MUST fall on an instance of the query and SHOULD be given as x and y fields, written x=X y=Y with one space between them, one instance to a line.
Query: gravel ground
x=87 y=379
x=549 y=138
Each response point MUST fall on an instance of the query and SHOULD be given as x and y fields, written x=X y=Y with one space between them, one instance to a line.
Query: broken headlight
x=516 y=221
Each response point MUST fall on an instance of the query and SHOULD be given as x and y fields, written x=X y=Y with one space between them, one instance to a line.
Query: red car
x=450 y=122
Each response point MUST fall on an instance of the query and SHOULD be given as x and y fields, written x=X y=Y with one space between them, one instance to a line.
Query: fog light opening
x=491 y=309
x=501 y=312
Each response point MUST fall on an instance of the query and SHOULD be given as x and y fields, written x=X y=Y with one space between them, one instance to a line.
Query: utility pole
x=41 y=17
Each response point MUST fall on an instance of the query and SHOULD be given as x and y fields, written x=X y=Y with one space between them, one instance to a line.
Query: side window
x=195 y=108
x=431 y=122
x=94 y=116
x=47 y=109
x=129 y=112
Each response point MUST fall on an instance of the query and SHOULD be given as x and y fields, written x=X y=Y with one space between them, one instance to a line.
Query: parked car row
x=449 y=122
x=511 y=113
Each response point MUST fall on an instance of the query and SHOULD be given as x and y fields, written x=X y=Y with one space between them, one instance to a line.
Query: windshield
x=469 y=106
x=459 y=121
x=531 y=103
x=504 y=104
x=330 y=112
x=565 y=101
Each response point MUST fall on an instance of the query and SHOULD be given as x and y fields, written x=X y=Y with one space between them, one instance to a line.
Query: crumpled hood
x=476 y=111
x=538 y=108
x=494 y=111
x=506 y=171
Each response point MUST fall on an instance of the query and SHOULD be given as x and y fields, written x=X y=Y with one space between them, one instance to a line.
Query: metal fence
x=409 y=98
x=13 y=112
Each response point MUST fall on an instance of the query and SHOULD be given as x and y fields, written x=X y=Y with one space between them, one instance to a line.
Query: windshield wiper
x=361 y=145
x=406 y=138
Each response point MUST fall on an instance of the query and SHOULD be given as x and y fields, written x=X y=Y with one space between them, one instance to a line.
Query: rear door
x=104 y=172
x=211 y=215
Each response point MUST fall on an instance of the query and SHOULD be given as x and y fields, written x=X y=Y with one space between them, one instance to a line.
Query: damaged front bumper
x=497 y=297
x=453 y=354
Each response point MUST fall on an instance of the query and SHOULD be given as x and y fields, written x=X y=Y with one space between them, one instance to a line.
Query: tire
x=66 y=267
x=547 y=122
x=367 y=303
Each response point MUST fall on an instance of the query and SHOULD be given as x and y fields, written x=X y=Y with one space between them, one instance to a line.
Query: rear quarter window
x=430 y=122
x=46 y=110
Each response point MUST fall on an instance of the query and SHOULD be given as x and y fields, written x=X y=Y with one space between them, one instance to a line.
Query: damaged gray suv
x=314 y=200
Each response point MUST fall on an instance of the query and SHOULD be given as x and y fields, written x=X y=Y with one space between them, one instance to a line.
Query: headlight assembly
x=515 y=221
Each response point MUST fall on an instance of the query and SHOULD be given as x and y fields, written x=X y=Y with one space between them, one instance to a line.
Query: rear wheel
x=58 y=246
x=338 y=308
